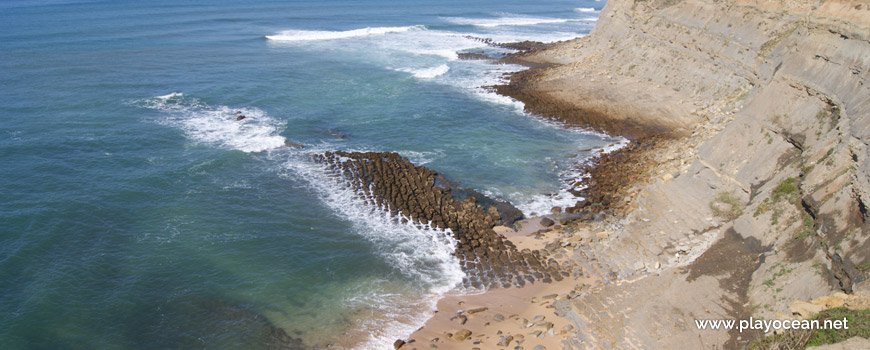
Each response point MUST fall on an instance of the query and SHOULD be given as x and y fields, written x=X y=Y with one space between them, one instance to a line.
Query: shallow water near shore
x=138 y=211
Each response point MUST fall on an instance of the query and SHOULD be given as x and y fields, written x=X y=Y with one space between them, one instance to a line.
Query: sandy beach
x=504 y=317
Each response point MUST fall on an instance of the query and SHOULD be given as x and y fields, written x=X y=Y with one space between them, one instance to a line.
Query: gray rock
x=547 y=222
x=505 y=341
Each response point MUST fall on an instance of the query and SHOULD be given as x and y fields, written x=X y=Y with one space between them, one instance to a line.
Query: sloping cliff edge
x=750 y=188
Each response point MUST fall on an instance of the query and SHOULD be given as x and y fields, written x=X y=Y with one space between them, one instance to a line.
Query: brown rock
x=477 y=310
x=461 y=335
x=547 y=222
x=505 y=340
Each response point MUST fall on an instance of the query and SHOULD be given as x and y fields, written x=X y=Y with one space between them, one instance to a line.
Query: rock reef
x=412 y=192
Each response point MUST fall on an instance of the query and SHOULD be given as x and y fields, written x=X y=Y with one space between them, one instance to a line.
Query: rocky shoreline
x=742 y=193
x=412 y=192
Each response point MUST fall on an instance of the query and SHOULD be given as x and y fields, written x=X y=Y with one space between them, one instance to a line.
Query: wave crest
x=426 y=73
x=504 y=21
x=315 y=35
x=219 y=125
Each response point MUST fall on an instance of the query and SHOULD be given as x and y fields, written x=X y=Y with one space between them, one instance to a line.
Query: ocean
x=138 y=213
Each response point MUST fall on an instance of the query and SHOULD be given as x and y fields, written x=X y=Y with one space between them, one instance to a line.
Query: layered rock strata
x=411 y=192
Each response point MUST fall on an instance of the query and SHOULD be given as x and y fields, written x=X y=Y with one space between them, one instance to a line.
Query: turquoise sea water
x=136 y=211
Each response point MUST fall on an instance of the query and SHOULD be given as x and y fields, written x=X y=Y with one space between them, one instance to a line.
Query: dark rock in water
x=288 y=143
x=525 y=45
x=338 y=133
x=398 y=344
x=414 y=192
x=473 y=56
x=246 y=325
x=240 y=117
x=547 y=222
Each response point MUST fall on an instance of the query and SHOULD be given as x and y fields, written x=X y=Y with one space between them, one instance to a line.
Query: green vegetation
x=808 y=229
x=782 y=272
x=864 y=266
x=726 y=205
x=826 y=156
x=857 y=320
x=763 y=207
x=774 y=218
x=786 y=189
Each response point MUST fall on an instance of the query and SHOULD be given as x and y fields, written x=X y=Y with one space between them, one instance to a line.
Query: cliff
x=751 y=189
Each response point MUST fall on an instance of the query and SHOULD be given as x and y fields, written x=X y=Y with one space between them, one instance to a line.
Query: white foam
x=313 y=35
x=427 y=73
x=505 y=21
x=585 y=9
x=570 y=174
x=431 y=42
x=217 y=125
x=476 y=77
x=170 y=96
x=419 y=251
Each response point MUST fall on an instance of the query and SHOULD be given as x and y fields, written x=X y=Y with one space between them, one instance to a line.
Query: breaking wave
x=314 y=35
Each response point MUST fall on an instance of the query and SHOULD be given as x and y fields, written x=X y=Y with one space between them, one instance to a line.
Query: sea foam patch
x=245 y=129
x=510 y=20
x=313 y=35
x=426 y=73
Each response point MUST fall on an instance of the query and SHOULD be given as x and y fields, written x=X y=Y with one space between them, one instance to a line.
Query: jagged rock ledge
x=413 y=192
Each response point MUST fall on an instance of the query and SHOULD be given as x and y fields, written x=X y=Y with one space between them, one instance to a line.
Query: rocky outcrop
x=764 y=105
x=412 y=192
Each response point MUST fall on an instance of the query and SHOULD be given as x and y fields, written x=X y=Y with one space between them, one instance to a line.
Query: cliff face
x=766 y=109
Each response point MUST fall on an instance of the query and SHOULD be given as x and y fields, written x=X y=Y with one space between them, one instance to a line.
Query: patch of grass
x=782 y=272
x=807 y=169
x=774 y=218
x=762 y=208
x=827 y=155
x=864 y=266
x=786 y=189
x=726 y=205
x=858 y=322
x=808 y=229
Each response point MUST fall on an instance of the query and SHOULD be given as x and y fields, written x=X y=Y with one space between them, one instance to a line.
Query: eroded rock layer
x=412 y=192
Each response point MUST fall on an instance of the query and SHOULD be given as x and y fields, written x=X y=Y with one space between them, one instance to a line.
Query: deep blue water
x=137 y=213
